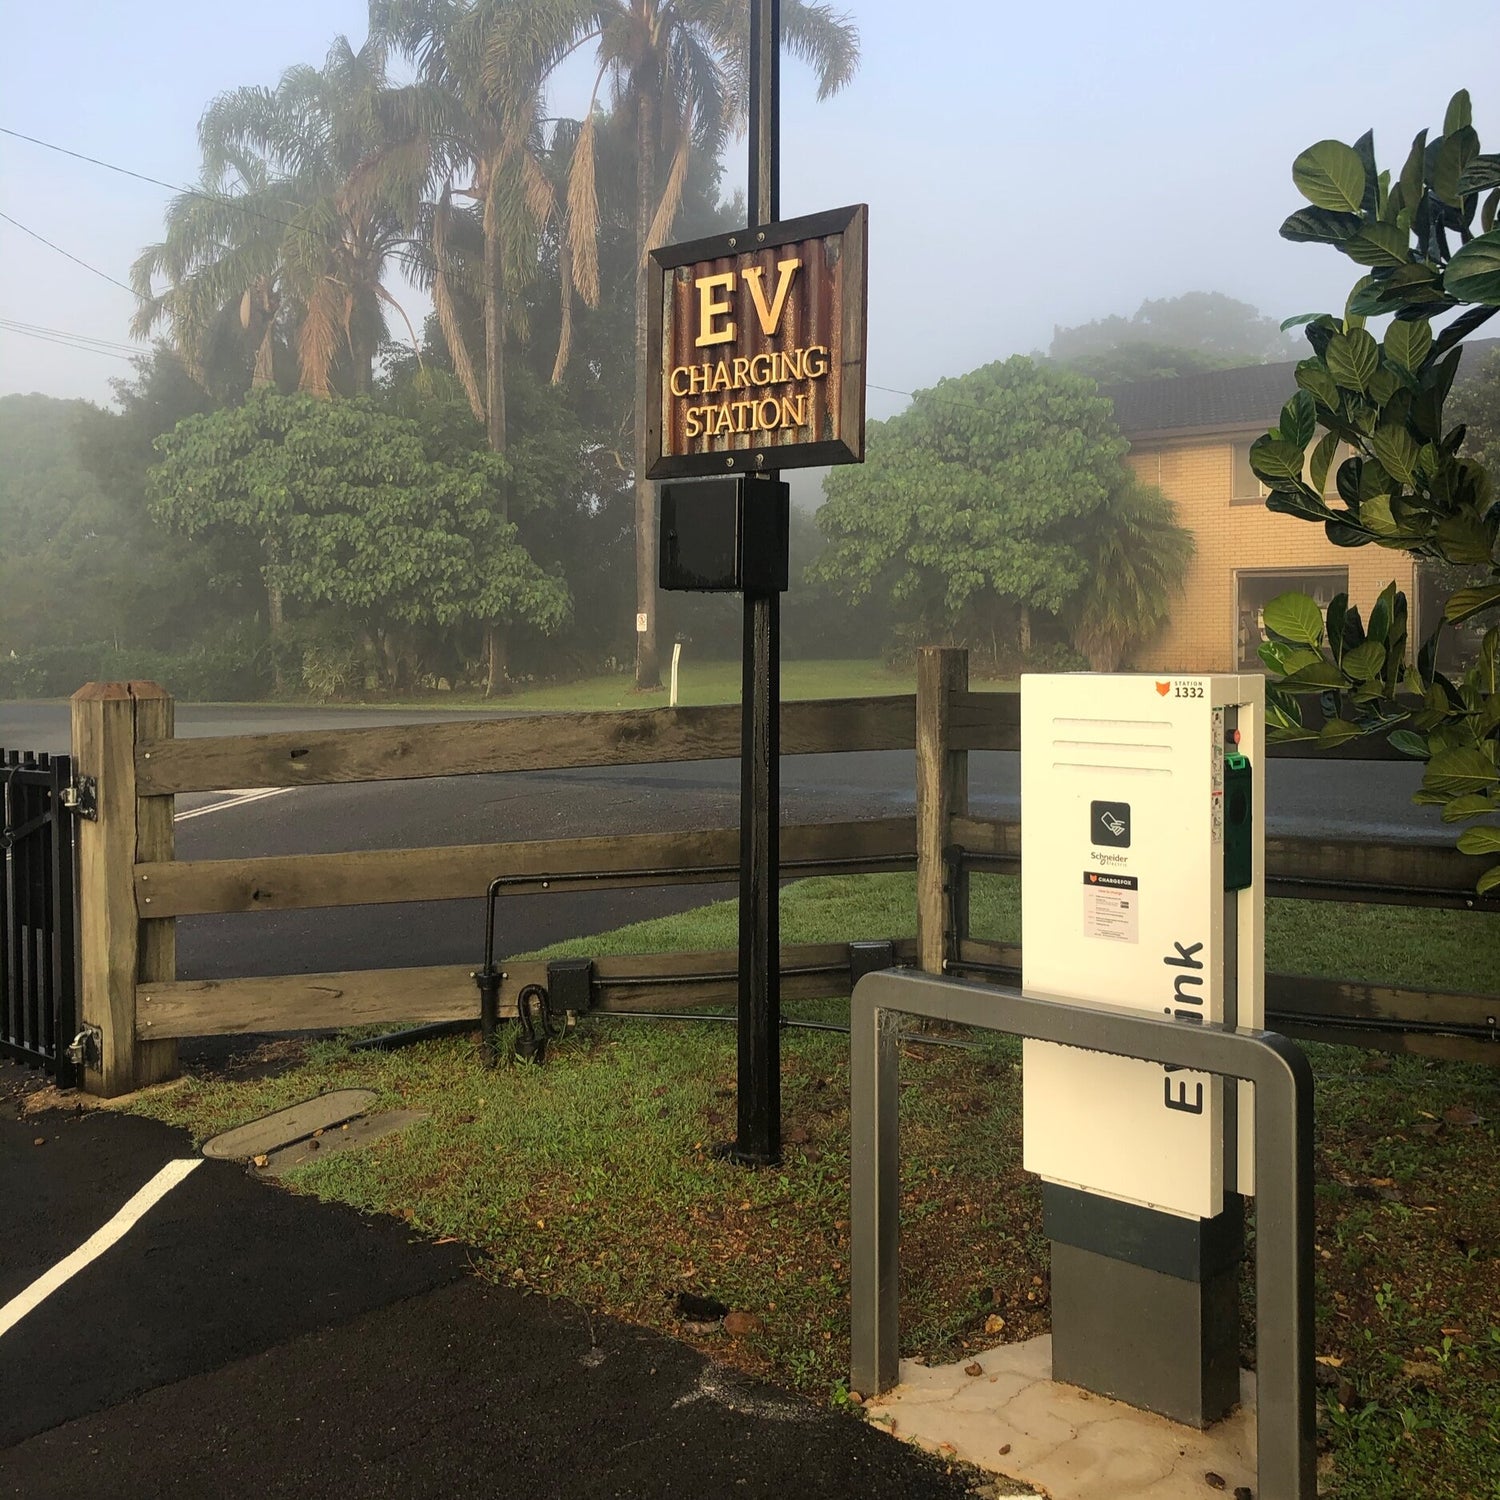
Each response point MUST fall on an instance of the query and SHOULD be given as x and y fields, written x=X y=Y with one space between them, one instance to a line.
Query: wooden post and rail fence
x=133 y=889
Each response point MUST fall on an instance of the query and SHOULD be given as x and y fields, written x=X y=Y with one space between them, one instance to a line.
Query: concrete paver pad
x=1068 y=1443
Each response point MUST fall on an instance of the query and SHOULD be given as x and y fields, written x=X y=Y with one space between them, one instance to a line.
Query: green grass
x=699 y=682
x=595 y=1178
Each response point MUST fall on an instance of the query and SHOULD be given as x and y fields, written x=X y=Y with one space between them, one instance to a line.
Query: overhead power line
x=66 y=254
x=19 y=325
x=227 y=199
x=65 y=343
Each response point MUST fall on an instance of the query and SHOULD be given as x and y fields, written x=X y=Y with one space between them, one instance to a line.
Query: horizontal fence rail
x=529 y=742
x=562 y=741
x=622 y=983
x=371 y=877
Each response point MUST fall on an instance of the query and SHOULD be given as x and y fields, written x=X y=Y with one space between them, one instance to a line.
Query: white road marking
x=97 y=1243
x=233 y=799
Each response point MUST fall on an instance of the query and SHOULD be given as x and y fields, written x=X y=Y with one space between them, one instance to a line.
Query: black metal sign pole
x=759 y=1083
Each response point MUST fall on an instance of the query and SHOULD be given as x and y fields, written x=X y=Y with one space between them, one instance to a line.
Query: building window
x=1244 y=487
x=1253 y=591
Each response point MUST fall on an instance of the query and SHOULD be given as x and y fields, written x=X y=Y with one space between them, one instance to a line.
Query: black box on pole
x=725 y=535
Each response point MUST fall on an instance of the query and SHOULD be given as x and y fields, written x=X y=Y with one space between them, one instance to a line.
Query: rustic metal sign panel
x=759 y=343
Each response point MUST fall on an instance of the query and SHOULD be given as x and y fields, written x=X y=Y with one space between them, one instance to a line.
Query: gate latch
x=82 y=798
x=86 y=1050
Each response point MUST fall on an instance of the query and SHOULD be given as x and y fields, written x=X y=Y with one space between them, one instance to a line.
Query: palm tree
x=676 y=69
x=273 y=233
x=1137 y=559
x=467 y=127
x=221 y=265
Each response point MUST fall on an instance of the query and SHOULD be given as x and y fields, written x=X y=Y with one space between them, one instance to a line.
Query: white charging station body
x=1124 y=903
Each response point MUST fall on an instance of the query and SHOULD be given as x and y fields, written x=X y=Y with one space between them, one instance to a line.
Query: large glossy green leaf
x=1414 y=745
x=1353 y=358
x=1414 y=286
x=1346 y=534
x=1488 y=881
x=1380 y=245
x=1299 y=502
x=1330 y=175
x=1322 y=457
x=1295 y=617
x=1470 y=805
x=1460 y=112
x=1473 y=275
x=1479 y=841
x=1409 y=343
x=1481 y=173
x=1457 y=771
x=1382 y=612
x=1276 y=458
x=1468 y=602
x=1321 y=674
x=1348 y=479
x=1299 y=420
x=1337 y=732
x=1411 y=173
x=1375 y=515
x=1316 y=380
x=1365 y=661
x=1375 y=480
x=1465 y=539
x=1384 y=384
x=1319 y=226
x=1397 y=451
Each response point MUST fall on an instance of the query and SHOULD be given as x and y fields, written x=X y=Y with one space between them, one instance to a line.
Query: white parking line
x=97 y=1243
x=233 y=799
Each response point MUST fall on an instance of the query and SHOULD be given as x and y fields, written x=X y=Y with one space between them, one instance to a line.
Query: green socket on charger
x=1238 y=817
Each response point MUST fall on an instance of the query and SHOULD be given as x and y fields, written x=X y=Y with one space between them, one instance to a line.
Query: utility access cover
x=284 y=1126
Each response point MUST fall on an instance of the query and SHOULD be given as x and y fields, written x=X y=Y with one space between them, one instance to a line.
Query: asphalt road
x=243 y=1341
x=1344 y=800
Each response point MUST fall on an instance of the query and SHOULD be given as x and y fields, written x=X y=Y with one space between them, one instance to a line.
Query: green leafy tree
x=973 y=510
x=81 y=562
x=1171 y=336
x=1429 y=241
x=351 y=508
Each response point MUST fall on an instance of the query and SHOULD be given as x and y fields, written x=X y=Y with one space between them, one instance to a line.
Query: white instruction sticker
x=1111 y=907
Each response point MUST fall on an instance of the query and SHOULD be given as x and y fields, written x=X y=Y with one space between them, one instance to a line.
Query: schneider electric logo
x=1109 y=824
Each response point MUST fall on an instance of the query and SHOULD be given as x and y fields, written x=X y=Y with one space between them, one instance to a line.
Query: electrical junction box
x=1142 y=885
x=725 y=536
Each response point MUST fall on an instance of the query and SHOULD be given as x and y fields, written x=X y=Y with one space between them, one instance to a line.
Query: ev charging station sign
x=1138 y=890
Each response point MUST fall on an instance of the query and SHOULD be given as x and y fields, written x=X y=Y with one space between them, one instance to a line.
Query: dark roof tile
x=1222 y=400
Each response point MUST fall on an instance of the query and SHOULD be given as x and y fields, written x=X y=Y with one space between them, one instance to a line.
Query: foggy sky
x=1024 y=165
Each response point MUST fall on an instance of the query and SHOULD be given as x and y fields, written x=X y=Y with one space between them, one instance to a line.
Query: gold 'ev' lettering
x=712 y=307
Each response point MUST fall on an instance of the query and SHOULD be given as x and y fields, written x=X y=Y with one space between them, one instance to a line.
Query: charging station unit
x=1142 y=858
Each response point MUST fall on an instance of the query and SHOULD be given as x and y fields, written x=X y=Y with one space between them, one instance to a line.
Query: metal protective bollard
x=1286 y=1455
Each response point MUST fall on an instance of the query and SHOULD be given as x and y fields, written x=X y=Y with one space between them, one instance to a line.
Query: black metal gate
x=38 y=947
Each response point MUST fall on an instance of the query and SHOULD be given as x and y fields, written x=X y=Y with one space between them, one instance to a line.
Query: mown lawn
x=595 y=1178
x=699 y=682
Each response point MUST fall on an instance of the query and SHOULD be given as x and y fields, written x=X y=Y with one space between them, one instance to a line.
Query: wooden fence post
x=117 y=949
x=942 y=795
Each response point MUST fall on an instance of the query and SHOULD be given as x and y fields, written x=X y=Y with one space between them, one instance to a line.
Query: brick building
x=1191 y=437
